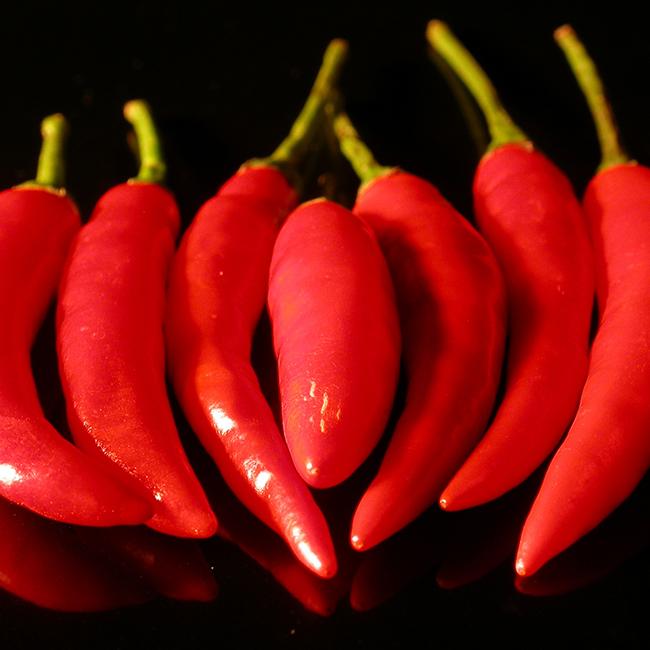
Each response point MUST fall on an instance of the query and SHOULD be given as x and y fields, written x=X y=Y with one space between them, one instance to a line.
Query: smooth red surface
x=451 y=300
x=607 y=450
x=111 y=353
x=217 y=294
x=336 y=338
x=39 y=469
x=527 y=210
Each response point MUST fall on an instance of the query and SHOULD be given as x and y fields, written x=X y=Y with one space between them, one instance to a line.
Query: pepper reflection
x=44 y=563
x=454 y=549
x=485 y=539
x=460 y=549
x=400 y=562
x=239 y=527
x=74 y=569
x=172 y=567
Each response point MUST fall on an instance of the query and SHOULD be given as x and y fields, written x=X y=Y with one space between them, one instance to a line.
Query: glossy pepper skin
x=217 y=294
x=527 y=210
x=111 y=353
x=39 y=469
x=336 y=337
x=607 y=450
x=451 y=301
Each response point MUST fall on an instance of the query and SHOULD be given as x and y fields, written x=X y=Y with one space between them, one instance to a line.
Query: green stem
x=502 y=129
x=468 y=107
x=293 y=148
x=586 y=73
x=50 y=172
x=152 y=163
x=356 y=151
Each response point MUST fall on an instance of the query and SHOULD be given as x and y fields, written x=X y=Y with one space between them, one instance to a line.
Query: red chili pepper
x=39 y=469
x=336 y=337
x=527 y=210
x=451 y=303
x=111 y=347
x=607 y=450
x=217 y=294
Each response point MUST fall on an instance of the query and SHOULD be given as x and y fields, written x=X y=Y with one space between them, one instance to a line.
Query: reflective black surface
x=225 y=81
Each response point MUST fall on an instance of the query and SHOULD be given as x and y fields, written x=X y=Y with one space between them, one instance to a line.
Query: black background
x=225 y=81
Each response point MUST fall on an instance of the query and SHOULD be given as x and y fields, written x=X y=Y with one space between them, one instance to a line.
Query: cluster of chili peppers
x=352 y=294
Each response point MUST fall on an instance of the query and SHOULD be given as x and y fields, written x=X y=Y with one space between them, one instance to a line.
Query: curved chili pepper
x=451 y=303
x=336 y=337
x=527 y=210
x=110 y=342
x=607 y=450
x=39 y=469
x=217 y=294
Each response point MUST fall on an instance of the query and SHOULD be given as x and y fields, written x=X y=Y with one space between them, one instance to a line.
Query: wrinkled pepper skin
x=39 y=469
x=111 y=353
x=336 y=337
x=451 y=301
x=606 y=452
x=528 y=212
x=217 y=295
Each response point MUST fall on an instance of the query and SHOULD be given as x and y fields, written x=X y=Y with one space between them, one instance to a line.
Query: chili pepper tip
x=356 y=542
x=443 y=504
x=520 y=567
x=312 y=469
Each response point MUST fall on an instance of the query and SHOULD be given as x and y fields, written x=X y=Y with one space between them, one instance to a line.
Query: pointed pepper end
x=520 y=567
x=324 y=565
